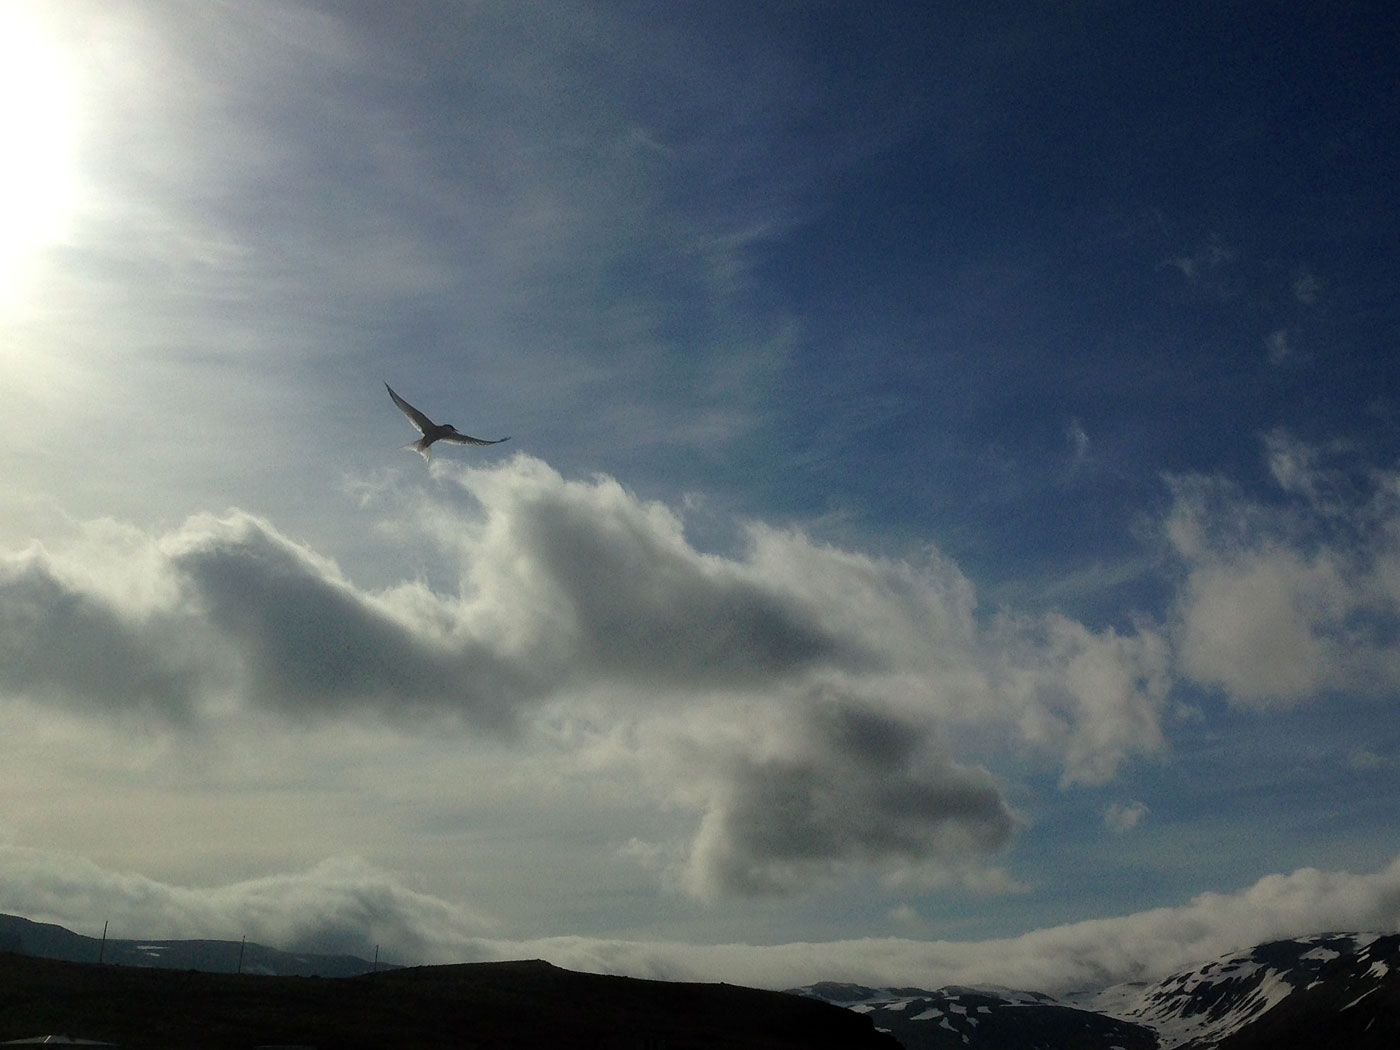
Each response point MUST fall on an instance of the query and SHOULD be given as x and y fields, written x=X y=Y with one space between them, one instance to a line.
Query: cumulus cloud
x=848 y=785
x=791 y=695
x=1287 y=600
x=597 y=585
x=1092 y=697
x=347 y=905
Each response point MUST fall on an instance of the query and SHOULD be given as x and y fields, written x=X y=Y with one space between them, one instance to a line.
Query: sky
x=949 y=532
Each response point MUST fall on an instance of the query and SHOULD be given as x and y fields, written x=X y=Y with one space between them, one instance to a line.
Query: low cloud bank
x=346 y=905
x=341 y=905
x=1144 y=946
x=792 y=694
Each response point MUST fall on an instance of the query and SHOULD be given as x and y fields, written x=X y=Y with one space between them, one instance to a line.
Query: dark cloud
x=61 y=643
x=859 y=788
x=309 y=643
x=643 y=606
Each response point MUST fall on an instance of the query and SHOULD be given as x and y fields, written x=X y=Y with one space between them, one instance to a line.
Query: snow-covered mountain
x=1314 y=980
x=1329 y=990
x=984 y=1018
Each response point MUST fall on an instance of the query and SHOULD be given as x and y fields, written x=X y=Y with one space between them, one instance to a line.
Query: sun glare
x=37 y=131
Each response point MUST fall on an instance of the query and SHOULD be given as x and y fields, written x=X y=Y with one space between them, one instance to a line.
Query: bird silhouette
x=433 y=432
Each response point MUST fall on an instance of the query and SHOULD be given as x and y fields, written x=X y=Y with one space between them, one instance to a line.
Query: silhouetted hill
x=500 y=1005
x=47 y=941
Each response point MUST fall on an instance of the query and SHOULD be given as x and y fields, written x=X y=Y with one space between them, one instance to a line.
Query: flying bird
x=433 y=431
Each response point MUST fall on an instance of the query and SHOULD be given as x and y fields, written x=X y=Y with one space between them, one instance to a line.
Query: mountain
x=1329 y=990
x=1355 y=1003
x=984 y=1018
x=1298 y=992
x=514 y=1006
x=47 y=941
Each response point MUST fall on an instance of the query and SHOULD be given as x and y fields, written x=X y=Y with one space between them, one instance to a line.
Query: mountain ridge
x=50 y=941
x=1328 y=989
x=1203 y=1005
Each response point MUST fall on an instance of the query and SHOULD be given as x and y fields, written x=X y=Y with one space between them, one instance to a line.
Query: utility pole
x=102 y=948
x=243 y=944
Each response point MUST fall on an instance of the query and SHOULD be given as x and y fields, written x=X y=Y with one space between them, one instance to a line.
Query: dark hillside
x=506 y=1005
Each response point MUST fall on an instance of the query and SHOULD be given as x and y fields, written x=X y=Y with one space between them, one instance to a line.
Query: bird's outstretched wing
x=422 y=422
x=463 y=439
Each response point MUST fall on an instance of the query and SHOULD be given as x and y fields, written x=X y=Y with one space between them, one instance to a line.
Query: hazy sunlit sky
x=950 y=529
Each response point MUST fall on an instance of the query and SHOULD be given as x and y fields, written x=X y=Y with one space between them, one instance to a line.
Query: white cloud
x=1321 y=476
x=1078 y=439
x=1283 y=602
x=1255 y=626
x=790 y=696
x=1201 y=267
x=1092 y=697
x=1306 y=287
x=1368 y=760
x=1281 y=346
x=347 y=905
x=1122 y=817
x=905 y=915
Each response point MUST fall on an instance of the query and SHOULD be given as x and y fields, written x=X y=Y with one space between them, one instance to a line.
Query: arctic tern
x=433 y=431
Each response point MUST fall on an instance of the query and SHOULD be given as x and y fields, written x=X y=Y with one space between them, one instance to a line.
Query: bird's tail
x=423 y=448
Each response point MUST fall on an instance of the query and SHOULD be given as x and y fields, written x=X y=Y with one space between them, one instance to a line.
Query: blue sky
x=950 y=528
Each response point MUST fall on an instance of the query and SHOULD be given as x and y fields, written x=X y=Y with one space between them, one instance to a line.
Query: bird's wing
x=463 y=439
x=422 y=422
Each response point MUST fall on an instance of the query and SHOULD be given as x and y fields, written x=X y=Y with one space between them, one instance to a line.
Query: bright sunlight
x=37 y=131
